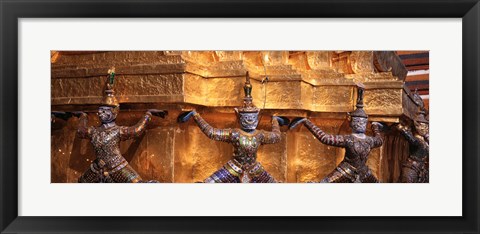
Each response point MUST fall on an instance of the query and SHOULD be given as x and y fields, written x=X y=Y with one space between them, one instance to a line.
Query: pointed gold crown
x=359 y=112
x=109 y=94
x=248 y=106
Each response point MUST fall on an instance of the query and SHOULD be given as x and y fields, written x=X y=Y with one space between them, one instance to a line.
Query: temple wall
x=318 y=85
x=183 y=154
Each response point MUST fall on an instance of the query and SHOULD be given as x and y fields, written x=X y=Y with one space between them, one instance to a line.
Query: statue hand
x=282 y=121
x=61 y=115
x=295 y=122
x=376 y=126
x=401 y=127
x=185 y=116
x=77 y=113
x=159 y=113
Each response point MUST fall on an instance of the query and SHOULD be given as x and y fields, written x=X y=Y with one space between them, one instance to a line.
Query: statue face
x=358 y=124
x=106 y=114
x=248 y=121
x=421 y=128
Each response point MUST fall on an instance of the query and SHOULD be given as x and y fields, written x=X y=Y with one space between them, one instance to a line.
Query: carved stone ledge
x=306 y=82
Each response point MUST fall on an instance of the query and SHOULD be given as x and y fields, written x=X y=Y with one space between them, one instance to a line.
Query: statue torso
x=357 y=150
x=106 y=143
x=246 y=146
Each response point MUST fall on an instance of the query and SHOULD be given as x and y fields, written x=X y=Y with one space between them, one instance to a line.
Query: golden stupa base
x=315 y=84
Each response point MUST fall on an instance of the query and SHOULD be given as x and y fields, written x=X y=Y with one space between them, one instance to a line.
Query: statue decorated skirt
x=244 y=168
x=414 y=170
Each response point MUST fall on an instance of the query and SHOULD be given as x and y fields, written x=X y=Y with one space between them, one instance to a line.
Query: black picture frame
x=11 y=11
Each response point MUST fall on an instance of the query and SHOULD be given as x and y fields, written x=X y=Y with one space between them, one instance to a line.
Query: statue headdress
x=109 y=94
x=418 y=99
x=359 y=112
x=248 y=106
x=421 y=113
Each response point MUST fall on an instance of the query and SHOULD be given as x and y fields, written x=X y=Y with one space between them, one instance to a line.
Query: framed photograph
x=315 y=82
